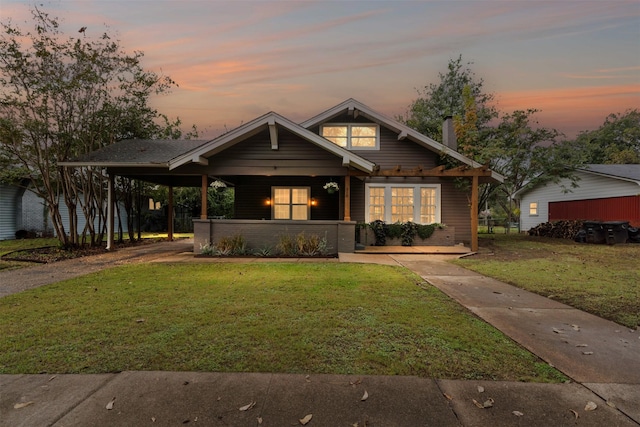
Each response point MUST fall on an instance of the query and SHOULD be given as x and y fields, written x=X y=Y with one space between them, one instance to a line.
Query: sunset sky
x=577 y=61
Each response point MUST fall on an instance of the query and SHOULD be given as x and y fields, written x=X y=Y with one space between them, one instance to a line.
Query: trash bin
x=616 y=231
x=595 y=232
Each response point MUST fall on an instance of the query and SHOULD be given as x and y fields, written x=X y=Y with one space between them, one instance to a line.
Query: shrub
x=302 y=245
x=379 y=232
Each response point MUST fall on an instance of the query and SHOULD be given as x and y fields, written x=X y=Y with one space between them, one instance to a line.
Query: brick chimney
x=448 y=134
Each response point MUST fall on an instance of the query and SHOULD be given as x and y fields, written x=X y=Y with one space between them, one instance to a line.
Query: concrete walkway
x=602 y=357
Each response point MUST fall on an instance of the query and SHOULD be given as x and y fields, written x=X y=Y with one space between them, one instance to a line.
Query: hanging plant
x=331 y=187
x=409 y=231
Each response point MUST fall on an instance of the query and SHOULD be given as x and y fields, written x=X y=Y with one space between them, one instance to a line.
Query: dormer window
x=353 y=136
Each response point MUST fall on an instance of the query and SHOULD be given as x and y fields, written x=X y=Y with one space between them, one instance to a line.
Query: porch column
x=474 y=214
x=170 y=215
x=203 y=197
x=347 y=198
x=110 y=211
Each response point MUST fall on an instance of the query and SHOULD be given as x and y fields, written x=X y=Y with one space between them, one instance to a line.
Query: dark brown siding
x=294 y=156
x=252 y=192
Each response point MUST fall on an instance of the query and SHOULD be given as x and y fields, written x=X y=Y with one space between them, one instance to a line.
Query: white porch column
x=170 y=215
x=110 y=211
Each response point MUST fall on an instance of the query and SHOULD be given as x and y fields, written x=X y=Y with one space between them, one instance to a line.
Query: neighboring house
x=604 y=193
x=23 y=210
x=278 y=168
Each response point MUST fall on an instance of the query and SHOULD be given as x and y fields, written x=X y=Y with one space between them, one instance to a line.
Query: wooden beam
x=203 y=196
x=402 y=135
x=461 y=171
x=273 y=134
x=347 y=198
x=474 y=214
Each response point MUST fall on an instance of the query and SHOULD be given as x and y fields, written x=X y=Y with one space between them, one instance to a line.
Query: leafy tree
x=527 y=154
x=61 y=97
x=445 y=99
x=616 y=141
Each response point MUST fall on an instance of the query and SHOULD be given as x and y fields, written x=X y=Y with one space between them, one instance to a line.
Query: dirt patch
x=51 y=254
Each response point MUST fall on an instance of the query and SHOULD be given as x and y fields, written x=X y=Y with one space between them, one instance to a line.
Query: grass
x=600 y=279
x=271 y=317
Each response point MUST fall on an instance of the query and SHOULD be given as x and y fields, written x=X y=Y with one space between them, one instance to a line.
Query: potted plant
x=331 y=187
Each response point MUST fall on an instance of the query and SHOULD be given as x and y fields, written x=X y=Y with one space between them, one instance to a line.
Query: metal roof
x=627 y=171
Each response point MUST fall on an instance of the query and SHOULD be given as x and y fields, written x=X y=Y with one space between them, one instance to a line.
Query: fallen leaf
x=574 y=413
x=487 y=403
x=591 y=406
x=610 y=403
x=480 y=389
x=587 y=353
x=575 y=327
x=307 y=379
x=356 y=382
x=355 y=425
x=304 y=421
x=52 y=378
x=365 y=396
x=22 y=405
x=153 y=419
x=110 y=404
x=556 y=330
x=517 y=413
x=447 y=396
x=582 y=345
x=247 y=407
x=139 y=320
x=259 y=420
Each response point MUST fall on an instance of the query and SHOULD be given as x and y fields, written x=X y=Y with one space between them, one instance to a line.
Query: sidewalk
x=607 y=375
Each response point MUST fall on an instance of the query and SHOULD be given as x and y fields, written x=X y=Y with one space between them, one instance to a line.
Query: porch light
x=268 y=201
x=314 y=202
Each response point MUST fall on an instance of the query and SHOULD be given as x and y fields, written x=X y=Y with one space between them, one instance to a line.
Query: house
x=23 y=211
x=604 y=193
x=279 y=168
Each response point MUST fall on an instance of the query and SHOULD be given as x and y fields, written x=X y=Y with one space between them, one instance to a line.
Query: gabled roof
x=270 y=120
x=403 y=131
x=623 y=172
x=136 y=152
x=627 y=172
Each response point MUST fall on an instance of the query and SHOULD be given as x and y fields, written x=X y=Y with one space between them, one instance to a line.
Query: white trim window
x=290 y=203
x=355 y=136
x=391 y=203
x=533 y=209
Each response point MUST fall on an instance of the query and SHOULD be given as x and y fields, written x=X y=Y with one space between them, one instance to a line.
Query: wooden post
x=474 y=213
x=170 y=215
x=110 y=211
x=203 y=197
x=347 y=198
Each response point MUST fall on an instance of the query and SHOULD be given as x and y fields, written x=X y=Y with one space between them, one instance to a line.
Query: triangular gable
x=404 y=132
x=271 y=121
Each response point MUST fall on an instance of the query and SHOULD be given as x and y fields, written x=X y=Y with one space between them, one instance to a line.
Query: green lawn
x=266 y=317
x=600 y=279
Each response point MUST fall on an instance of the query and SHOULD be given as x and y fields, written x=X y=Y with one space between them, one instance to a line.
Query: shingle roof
x=140 y=151
x=631 y=172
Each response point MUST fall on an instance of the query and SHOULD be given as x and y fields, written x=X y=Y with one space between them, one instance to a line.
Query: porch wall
x=258 y=234
x=440 y=237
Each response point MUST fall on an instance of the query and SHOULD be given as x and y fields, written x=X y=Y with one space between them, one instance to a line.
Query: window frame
x=417 y=197
x=349 y=126
x=290 y=204
x=534 y=210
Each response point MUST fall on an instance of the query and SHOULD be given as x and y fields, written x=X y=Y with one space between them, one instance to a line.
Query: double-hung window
x=290 y=203
x=353 y=136
x=393 y=203
x=533 y=209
